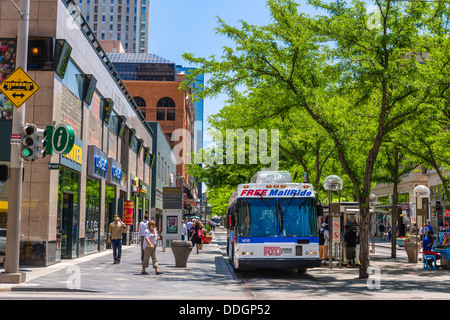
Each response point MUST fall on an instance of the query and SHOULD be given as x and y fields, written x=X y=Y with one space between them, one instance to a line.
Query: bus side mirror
x=319 y=210
x=231 y=221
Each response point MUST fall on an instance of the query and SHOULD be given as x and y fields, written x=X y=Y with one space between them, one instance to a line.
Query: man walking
x=183 y=230
x=115 y=237
x=350 y=245
x=323 y=242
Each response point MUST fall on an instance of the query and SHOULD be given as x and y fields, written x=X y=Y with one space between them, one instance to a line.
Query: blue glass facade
x=198 y=124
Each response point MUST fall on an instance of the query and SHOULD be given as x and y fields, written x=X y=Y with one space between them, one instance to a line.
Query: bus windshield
x=257 y=218
x=297 y=217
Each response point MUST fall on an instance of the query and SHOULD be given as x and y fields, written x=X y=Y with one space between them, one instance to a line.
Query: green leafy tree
x=356 y=81
x=392 y=164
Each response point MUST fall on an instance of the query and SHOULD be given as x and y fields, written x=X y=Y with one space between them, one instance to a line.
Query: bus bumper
x=279 y=263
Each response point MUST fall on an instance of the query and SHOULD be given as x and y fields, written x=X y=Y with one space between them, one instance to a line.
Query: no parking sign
x=337 y=229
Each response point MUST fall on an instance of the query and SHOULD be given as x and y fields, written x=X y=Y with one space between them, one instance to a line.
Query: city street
x=209 y=276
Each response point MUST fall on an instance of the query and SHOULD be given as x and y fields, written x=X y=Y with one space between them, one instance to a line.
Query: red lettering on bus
x=272 y=251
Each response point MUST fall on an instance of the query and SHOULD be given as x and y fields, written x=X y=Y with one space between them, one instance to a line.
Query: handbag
x=199 y=234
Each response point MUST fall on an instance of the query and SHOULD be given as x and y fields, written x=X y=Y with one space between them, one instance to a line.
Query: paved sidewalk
x=207 y=276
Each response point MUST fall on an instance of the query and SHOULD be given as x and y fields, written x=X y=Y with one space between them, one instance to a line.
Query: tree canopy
x=337 y=85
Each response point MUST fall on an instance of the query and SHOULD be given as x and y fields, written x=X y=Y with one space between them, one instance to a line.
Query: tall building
x=198 y=123
x=123 y=20
x=66 y=210
x=154 y=84
x=198 y=106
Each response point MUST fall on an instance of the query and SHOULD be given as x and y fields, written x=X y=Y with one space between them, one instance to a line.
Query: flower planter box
x=207 y=239
x=400 y=242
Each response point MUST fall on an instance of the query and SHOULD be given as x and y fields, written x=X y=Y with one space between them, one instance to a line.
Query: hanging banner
x=128 y=212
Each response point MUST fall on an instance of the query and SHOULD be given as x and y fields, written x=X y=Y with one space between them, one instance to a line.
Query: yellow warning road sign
x=18 y=87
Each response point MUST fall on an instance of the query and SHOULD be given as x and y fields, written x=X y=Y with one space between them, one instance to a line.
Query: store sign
x=124 y=181
x=114 y=175
x=144 y=188
x=97 y=163
x=172 y=198
x=128 y=212
x=73 y=159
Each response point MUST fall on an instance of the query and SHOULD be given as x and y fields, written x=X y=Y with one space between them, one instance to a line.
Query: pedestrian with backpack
x=323 y=242
x=197 y=235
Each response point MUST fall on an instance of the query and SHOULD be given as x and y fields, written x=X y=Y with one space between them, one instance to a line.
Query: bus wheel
x=301 y=270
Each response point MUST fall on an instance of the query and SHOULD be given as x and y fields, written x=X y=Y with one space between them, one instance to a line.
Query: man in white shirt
x=189 y=227
x=142 y=227
x=183 y=229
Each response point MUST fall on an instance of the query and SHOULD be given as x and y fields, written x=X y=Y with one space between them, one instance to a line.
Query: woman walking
x=149 y=245
x=197 y=235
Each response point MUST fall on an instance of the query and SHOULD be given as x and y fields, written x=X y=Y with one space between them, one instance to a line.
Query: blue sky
x=178 y=26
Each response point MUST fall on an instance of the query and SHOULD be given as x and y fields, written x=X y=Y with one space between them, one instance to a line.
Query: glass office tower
x=123 y=20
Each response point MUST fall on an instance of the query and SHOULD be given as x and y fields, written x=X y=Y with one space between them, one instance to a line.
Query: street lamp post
x=420 y=191
x=330 y=184
x=12 y=256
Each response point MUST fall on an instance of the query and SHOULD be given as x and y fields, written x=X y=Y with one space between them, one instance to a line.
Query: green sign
x=63 y=139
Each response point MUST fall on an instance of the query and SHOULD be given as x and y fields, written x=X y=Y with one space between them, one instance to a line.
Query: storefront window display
x=68 y=214
x=140 y=208
x=133 y=198
x=92 y=215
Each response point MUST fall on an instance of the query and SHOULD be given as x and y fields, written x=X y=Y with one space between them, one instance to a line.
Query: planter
x=400 y=242
x=412 y=249
x=207 y=239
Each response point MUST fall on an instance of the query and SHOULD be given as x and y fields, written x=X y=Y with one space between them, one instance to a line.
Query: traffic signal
x=40 y=143
x=27 y=143
x=33 y=141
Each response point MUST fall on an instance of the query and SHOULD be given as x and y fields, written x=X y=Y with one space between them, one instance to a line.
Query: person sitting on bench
x=428 y=245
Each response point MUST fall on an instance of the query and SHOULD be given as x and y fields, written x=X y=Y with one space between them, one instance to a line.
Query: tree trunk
x=395 y=219
x=364 y=238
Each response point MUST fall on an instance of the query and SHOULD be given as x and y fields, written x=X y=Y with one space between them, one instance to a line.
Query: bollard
x=181 y=250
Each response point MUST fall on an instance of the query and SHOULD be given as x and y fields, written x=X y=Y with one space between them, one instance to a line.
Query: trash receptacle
x=181 y=250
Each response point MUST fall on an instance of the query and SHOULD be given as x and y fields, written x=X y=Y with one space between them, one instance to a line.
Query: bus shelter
x=350 y=216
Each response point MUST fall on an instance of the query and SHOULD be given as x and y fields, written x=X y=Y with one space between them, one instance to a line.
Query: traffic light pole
x=12 y=256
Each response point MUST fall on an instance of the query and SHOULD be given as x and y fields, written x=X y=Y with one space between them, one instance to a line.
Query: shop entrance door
x=68 y=228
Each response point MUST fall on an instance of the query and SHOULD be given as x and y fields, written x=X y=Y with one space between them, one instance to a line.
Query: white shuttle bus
x=272 y=223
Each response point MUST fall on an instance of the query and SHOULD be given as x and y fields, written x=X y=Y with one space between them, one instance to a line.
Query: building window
x=171 y=114
x=160 y=114
x=166 y=102
x=142 y=105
